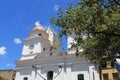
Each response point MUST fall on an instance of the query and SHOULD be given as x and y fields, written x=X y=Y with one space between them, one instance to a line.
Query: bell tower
x=36 y=43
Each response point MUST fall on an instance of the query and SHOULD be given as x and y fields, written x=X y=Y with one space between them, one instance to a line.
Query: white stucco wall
x=71 y=67
x=37 y=32
x=69 y=74
x=69 y=44
x=36 y=49
x=50 y=36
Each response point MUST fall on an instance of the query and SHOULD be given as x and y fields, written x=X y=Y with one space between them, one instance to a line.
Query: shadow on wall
x=46 y=69
x=25 y=72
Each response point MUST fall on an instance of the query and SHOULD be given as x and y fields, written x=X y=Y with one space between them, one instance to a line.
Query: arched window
x=80 y=76
x=50 y=75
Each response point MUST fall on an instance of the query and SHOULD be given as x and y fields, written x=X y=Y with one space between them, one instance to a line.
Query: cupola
x=38 y=30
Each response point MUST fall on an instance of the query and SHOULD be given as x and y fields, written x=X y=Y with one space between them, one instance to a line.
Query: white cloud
x=3 y=50
x=10 y=65
x=56 y=7
x=17 y=41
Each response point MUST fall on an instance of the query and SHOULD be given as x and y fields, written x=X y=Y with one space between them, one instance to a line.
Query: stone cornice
x=65 y=60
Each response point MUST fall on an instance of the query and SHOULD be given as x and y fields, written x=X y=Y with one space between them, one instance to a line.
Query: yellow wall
x=110 y=72
x=7 y=74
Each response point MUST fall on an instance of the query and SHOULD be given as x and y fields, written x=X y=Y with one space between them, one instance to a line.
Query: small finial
x=37 y=23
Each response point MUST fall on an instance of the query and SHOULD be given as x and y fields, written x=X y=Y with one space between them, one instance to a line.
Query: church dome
x=39 y=27
x=38 y=30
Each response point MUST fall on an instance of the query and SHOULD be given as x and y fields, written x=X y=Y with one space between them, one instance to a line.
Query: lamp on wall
x=34 y=67
x=60 y=66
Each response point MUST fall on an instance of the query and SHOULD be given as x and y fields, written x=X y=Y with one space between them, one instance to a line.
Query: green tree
x=98 y=21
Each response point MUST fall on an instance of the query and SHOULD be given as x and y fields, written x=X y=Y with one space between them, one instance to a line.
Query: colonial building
x=108 y=70
x=42 y=59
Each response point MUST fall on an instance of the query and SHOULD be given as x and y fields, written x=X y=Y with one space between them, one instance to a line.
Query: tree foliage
x=98 y=21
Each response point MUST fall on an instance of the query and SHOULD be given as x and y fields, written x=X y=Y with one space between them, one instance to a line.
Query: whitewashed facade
x=42 y=59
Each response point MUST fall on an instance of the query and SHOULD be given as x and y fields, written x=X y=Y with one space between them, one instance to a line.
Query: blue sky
x=17 y=18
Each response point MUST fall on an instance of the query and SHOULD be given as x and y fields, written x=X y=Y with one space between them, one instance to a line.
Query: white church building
x=42 y=59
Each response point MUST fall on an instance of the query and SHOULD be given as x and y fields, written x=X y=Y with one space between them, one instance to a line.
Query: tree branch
x=108 y=34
